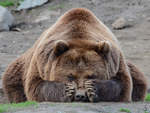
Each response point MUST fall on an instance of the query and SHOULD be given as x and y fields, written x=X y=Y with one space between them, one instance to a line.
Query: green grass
x=58 y=6
x=8 y=3
x=146 y=112
x=125 y=110
x=13 y=106
x=147 y=98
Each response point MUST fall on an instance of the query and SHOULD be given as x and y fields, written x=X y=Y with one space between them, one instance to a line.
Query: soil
x=134 y=40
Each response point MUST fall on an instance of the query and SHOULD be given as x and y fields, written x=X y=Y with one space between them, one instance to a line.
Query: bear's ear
x=103 y=47
x=60 y=47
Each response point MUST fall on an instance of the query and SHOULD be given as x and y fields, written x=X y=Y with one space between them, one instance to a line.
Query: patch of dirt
x=134 y=40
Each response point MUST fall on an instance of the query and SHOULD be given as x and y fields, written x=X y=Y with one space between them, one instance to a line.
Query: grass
x=125 y=110
x=8 y=3
x=147 y=98
x=146 y=112
x=58 y=6
x=13 y=106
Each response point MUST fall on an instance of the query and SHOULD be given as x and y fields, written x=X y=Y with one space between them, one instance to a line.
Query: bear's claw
x=70 y=91
x=91 y=91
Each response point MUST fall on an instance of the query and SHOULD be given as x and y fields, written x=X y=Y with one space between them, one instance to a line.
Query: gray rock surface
x=3 y=98
x=6 y=19
x=26 y=4
x=148 y=19
x=0 y=86
x=1 y=92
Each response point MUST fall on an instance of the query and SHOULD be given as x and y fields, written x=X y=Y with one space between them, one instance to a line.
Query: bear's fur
x=77 y=53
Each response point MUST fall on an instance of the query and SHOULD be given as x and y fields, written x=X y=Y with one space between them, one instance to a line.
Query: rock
x=0 y=84
x=148 y=91
x=3 y=98
x=27 y=4
x=1 y=90
x=120 y=23
x=148 y=19
x=94 y=2
x=16 y=29
x=46 y=15
x=6 y=19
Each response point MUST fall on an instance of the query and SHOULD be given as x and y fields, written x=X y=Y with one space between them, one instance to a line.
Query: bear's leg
x=110 y=90
x=139 y=83
x=103 y=90
x=37 y=89
x=123 y=75
x=12 y=82
x=41 y=90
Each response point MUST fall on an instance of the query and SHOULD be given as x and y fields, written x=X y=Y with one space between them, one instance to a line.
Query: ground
x=84 y=108
x=134 y=40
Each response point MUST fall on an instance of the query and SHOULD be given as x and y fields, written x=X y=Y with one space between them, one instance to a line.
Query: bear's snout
x=80 y=95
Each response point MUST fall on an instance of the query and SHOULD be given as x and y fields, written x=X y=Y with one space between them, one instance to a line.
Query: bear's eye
x=91 y=77
x=71 y=77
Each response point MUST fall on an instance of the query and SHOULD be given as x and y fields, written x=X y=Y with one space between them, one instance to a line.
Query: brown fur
x=110 y=90
x=139 y=83
x=77 y=45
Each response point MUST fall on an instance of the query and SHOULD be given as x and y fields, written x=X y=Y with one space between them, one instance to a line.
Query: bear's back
x=81 y=24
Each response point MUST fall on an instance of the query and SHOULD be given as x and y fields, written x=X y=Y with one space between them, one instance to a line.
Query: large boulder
x=27 y=4
x=6 y=19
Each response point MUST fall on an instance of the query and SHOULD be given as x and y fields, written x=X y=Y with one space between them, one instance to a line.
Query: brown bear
x=77 y=59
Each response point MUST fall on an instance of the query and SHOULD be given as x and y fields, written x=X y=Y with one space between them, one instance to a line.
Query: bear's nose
x=80 y=96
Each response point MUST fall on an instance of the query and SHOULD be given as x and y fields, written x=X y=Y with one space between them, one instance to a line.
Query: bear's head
x=80 y=60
